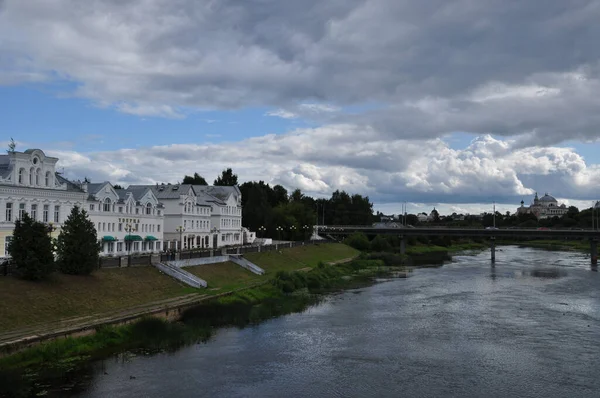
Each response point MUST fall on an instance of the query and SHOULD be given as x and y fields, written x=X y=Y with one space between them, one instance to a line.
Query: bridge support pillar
x=402 y=245
x=594 y=251
x=493 y=248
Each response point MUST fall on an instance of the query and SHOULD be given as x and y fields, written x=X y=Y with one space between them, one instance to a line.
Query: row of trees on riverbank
x=36 y=254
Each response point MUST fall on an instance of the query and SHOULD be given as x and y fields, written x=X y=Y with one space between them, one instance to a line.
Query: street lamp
x=279 y=229
x=262 y=229
x=305 y=228
x=129 y=228
x=292 y=230
x=50 y=228
x=181 y=230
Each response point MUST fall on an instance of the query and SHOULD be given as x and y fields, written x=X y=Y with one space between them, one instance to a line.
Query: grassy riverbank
x=286 y=292
x=453 y=248
x=72 y=299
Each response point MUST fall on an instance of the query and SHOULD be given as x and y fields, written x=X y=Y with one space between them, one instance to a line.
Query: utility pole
x=494 y=214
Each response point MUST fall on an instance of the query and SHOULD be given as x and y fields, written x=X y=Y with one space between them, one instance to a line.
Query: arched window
x=38 y=177
x=31 y=175
x=149 y=209
x=47 y=178
x=21 y=175
x=107 y=204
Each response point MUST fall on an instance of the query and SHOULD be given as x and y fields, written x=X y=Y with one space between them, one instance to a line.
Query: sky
x=453 y=104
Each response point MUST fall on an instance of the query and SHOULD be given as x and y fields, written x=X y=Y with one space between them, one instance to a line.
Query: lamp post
x=279 y=229
x=305 y=228
x=181 y=230
x=50 y=227
x=262 y=229
x=494 y=214
x=292 y=232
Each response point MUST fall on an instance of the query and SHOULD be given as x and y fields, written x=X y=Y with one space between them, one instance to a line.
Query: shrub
x=358 y=240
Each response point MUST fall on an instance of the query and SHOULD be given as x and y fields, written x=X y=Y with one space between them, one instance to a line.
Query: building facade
x=128 y=221
x=29 y=183
x=545 y=207
x=138 y=219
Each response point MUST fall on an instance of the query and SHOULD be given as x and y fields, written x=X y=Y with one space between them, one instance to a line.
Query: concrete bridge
x=490 y=233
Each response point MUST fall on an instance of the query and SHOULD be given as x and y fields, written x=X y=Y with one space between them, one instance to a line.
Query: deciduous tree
x=227 y=178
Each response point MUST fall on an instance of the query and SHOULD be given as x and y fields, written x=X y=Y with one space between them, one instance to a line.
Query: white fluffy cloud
x=321 y=160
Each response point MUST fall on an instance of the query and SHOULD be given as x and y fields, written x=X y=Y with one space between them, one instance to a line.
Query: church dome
x=547 y=198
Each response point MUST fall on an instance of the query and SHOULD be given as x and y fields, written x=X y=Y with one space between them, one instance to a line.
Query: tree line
x=272 y=211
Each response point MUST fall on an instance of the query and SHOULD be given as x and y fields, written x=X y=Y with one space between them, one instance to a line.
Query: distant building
x=544 y=207
x=422 y=217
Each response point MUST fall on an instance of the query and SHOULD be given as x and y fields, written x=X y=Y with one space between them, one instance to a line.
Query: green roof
x=133 y=237
x=150 y=237
x=107 y=238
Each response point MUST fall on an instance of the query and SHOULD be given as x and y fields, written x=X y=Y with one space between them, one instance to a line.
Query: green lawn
x=290 y=259
x=225 y=276
x=26 y=303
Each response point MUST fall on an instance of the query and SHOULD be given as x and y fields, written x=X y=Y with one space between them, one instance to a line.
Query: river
x=528 y=326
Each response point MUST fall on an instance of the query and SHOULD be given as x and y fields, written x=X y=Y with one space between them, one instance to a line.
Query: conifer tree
x=77 y=245
x=31 y=249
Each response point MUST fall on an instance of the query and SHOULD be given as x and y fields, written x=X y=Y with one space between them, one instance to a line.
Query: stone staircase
x=181 y=275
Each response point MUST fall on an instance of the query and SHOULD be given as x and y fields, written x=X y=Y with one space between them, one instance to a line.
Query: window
x=107 y=204
x=31 y=175
x=34 y=212
x=47 y=178
x=56 y=213
x=7 y=240
x=158 y=213
x=113 y=227
x=158 y=228
x=38 y=177
x=104 y=226
x=92 y=207
x=137 y=210
x=120 y=228
x=45 y=213
x=21 y=175
x=111 y=247
x=120 y=209
x=21 y=210
x=184 y=223
x=119 y=246
x=149 y=209
x=136 y=246
x=9 y=211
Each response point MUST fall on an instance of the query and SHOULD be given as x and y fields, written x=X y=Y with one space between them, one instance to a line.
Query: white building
x=544 y=207
x=187 y=218
x=29 y=183
x=128 y=221
x=226 y=216
x=200 y=216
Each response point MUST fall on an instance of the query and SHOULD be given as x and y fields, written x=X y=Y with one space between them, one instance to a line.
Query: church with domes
x=544 y=207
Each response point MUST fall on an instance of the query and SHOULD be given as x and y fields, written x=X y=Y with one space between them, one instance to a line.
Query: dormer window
x=31 y=175
x=38 y=176
x=107 y=204
x=21 y=175
x=47 y=178
x=149 y=209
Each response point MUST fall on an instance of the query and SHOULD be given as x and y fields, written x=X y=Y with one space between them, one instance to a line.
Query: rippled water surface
x=529 y=327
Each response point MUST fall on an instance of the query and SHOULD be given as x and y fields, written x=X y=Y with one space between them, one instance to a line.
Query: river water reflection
x=528 y=327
